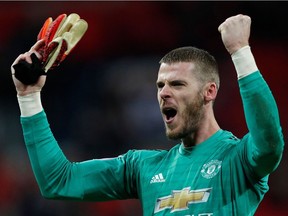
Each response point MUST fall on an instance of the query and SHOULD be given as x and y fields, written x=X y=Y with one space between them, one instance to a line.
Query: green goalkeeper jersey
x=222 y=176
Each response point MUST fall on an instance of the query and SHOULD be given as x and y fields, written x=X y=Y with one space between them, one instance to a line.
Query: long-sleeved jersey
x=223 y=175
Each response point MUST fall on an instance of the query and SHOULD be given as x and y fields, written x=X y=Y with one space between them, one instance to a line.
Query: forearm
x=51 y=168
x=263 y=122
x=58 y=178
x=44 y=153
x=262 y=118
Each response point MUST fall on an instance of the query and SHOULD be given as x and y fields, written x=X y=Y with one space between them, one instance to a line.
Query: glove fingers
x=67 y=24
x=50 y=35
x=61 y=36
x=50 y=48
x=61 y=55
x=54 y=59
x=75 y=34
x=52 y=29
x=44 y=28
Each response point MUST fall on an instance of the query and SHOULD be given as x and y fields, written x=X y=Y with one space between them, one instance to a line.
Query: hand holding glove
x=60 y=37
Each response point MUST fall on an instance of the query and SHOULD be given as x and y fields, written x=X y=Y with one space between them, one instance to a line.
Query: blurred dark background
x=102 y=101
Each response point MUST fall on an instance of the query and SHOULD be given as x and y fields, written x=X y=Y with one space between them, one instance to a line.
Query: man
x=211 y=172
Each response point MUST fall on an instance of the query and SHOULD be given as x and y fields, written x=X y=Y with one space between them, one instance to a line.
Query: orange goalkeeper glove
x=60 y=36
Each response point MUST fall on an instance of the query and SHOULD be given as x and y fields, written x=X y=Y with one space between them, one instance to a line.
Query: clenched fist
x=235 y=32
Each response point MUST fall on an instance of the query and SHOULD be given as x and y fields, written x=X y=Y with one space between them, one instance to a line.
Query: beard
x=190 y=119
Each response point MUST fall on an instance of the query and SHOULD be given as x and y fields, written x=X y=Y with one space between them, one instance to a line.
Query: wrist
x=25 y=93
x=244 y=62
x=30 y=104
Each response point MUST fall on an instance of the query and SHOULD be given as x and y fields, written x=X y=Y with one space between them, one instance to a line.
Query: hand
x=21 y=88
x=235 y=32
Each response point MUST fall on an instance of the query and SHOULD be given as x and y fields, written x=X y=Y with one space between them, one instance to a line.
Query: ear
x=210 y=91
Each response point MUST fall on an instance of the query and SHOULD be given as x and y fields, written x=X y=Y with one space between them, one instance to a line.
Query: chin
x=173 y=135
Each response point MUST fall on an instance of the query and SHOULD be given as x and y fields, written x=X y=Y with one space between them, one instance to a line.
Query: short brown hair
x=205 y=63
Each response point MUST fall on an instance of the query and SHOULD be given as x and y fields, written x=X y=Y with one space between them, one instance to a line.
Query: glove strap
x=28 y=73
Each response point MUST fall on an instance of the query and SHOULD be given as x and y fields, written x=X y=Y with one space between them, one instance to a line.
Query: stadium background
x=102 y=100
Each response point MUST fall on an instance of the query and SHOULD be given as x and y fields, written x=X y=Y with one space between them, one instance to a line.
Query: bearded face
x=188 y=119
x=180 y=95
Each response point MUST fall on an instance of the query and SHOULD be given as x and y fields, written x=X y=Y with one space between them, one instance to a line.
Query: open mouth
x=169 y=113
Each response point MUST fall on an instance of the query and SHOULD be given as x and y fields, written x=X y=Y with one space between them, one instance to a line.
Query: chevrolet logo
x=180 y=199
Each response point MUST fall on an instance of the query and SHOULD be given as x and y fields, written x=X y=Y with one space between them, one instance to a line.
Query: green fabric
x=223 y=175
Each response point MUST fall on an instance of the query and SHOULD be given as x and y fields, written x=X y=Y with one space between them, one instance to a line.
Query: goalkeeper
x=210 y=172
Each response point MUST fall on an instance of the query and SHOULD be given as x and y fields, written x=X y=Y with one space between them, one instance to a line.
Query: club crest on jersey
x=210 y=169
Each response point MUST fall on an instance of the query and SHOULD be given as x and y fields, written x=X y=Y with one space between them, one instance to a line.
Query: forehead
x=179 y=70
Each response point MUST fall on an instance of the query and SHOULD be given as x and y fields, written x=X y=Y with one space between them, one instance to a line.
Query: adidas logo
x=157 y=178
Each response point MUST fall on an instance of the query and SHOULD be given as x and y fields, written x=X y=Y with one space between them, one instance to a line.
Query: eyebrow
x=178 y=82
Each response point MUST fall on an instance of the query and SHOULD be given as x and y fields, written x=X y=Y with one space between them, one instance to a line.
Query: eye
x=159 y=85
x=177 y=83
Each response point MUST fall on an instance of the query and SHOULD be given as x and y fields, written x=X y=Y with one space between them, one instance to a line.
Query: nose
x=165 y=92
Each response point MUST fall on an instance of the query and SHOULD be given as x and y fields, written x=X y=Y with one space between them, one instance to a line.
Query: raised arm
x=57 y=177
x=260 y=108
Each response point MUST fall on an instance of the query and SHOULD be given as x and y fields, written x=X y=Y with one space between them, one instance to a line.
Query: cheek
x=158 y=98
x=190 y=103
